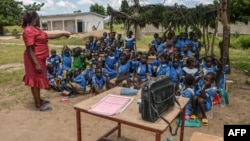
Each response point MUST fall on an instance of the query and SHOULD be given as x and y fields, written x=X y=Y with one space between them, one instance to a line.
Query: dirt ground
x=21 y=122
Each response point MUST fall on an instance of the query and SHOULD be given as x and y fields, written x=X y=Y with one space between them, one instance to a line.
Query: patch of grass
x=66 y=41
x=11 y=54
x=12 y=77
x=12 y=41
x=119 y=28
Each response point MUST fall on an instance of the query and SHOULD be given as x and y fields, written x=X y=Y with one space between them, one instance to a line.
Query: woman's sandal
x=44 y=102
x=204 y=121
x=44 y=109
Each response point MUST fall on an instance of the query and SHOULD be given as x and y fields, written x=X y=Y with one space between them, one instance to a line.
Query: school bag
x=157 y=97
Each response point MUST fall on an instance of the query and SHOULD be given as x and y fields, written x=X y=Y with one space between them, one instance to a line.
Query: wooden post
x=226 y=31
x=111 y=23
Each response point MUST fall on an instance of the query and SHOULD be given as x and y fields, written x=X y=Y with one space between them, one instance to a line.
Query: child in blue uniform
x=98 y=82
x=188 y=92
x=110 y=62
x=174 y=71
x=124 y=66
x=187 y=52
x=164 y=66
x=196 y=46
x=92 y=44
x=130 y=41
x=203 y=99
x=66 y=61
x=77 y=84
x=144 y=71
x=190 y=67
x=55 y=60
x=54 y=77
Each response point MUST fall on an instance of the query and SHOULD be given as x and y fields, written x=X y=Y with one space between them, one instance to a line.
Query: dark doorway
x=79 y=26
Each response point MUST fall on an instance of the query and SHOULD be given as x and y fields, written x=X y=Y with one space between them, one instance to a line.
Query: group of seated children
x=107 y=62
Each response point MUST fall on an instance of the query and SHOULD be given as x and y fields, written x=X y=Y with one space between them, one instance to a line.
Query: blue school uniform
x=195 y=47
x=118 y=53
x=100 y=82
x=66 y=62
x=129 y=43
x=162 y=69
x=106 y=41
x=143 y=70
x=109 y=66
x=210 y=93
x=134 y=65
x=93 y=46
x=79 y=79
x=160 y=47
x=188 y=93
x=124 y=68
x=154 y=43
x=180 y=44
x=188 y=53
x=51 y=77
x=156 y=62
x=171 y=72
x=223 y=79
x=55 y=61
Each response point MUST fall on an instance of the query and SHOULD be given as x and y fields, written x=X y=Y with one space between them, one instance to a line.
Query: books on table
x=111 y=105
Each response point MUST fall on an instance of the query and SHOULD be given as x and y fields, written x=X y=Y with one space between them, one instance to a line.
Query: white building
x=73 y=22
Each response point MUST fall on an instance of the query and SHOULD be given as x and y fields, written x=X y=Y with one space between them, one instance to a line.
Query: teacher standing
x=36 y=42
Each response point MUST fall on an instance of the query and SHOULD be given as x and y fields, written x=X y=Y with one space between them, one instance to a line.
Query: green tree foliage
x=125 y=7
x=33 y=7
x=97 y=9
x=11 y=12
x=239 y=11
x=109 y=10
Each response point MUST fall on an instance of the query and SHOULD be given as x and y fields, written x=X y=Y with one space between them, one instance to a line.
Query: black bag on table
x=157 y=97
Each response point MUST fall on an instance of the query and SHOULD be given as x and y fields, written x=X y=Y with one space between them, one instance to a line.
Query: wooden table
x=130 y=116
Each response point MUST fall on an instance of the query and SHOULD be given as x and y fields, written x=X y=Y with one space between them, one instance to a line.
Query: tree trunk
x=215 y=31
x=1 y=30
x=137 y=27
x=137 y=32
x=208 y=41
x=111 y=23
x=204 y=39
x=226 y=31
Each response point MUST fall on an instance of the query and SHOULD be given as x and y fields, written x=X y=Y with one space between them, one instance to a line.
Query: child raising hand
x=203 y=99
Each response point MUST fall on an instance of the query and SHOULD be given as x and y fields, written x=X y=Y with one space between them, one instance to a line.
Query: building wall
x=88 y=22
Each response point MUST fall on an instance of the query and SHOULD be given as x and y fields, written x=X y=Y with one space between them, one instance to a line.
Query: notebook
x=111 y=105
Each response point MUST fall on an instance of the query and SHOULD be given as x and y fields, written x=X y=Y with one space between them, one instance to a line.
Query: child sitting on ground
x=66 y=62
x=77 y=85
x=164 y=66
x=55 y=60
x=203 y=99
x=188 y=92
x=110 y=62
x=99 y=82
x=144 y=71
x=54 y=77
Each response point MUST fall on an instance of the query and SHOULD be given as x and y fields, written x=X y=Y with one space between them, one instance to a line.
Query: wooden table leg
x=182 y=123
x=157 y=136
x=119 y=129
x=78 y=125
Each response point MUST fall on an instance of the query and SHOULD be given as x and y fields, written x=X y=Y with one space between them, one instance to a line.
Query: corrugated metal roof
x=73 y=14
